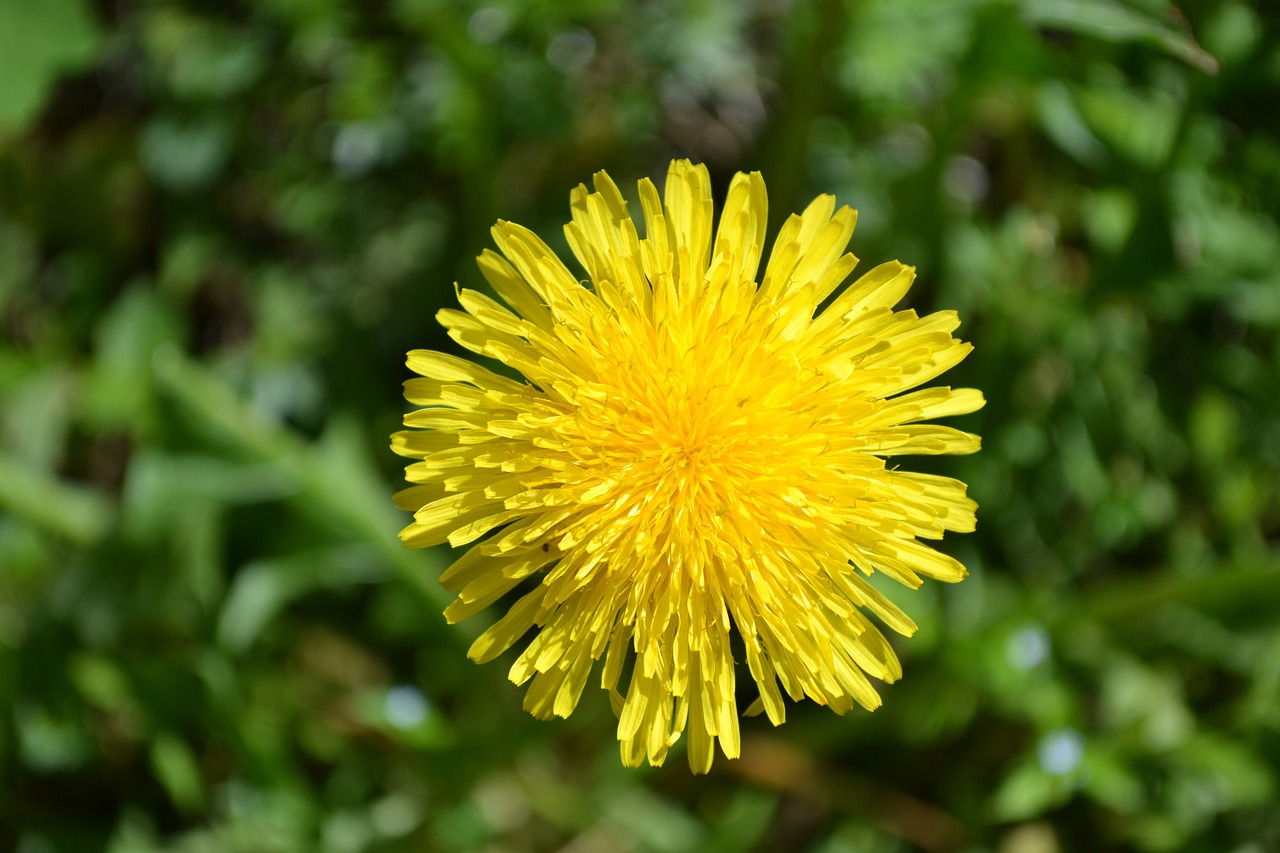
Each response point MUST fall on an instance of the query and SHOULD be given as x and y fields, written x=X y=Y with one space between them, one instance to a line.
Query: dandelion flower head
x=691 y=452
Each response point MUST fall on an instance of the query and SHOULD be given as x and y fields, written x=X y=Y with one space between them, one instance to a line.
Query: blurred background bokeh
x=222 y=224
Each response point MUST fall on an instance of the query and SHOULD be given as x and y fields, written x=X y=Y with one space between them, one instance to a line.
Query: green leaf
x=119 y=391
x=263 y=588
x=1027 y=792
x=40 y=40
x=185 y=155
x=337 y=482
x=1108 y=21
x=178 y=771
x=77 y=513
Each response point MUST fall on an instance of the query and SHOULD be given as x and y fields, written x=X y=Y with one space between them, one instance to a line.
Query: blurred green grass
x=222 y=225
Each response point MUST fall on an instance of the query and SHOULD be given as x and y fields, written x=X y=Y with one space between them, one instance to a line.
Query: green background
x=222 y=224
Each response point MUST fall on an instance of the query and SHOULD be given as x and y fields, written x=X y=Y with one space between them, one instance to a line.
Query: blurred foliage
x=222 y=225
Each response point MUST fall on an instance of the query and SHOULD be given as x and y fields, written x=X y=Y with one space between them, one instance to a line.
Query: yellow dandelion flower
x=691 y=453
